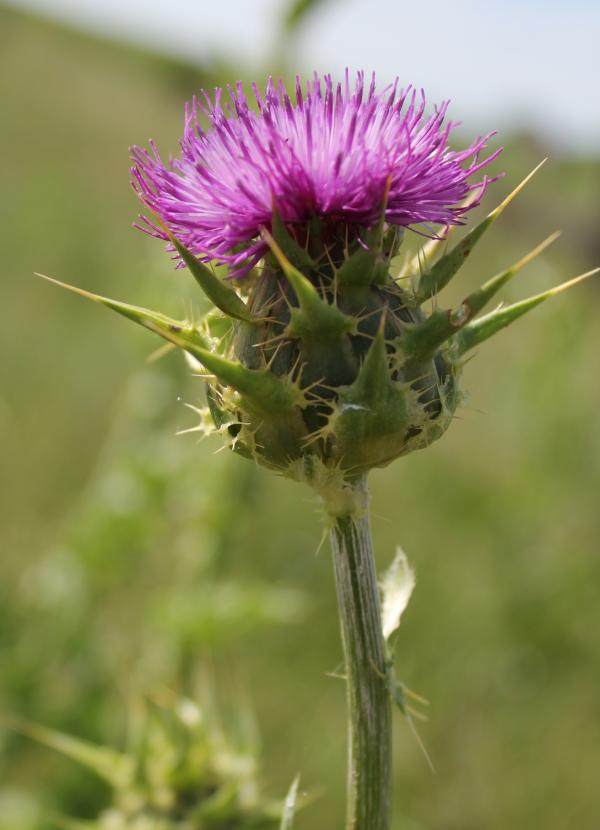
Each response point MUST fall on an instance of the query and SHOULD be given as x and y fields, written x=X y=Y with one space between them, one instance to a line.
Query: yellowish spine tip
x=570 y=283
x=506 y=202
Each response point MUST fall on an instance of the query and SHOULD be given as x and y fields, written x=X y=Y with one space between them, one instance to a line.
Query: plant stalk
x=369 y=705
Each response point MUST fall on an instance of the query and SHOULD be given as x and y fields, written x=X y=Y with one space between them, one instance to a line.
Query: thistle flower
x=320 y=362
x=333 y=153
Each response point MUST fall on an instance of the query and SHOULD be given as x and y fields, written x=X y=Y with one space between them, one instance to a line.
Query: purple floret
x=329 y=152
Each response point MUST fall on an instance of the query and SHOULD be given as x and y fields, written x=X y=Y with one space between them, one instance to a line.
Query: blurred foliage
x=298 y=10
x=181 y=769
x=133 y=559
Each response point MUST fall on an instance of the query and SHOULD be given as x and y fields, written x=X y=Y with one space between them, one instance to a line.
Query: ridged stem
x=369 y=707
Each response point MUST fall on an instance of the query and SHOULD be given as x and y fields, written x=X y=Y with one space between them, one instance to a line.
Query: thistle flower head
x=331 y=151
x=326 y=360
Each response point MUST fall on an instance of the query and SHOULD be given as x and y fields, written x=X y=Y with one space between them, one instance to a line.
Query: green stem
x=369 y=706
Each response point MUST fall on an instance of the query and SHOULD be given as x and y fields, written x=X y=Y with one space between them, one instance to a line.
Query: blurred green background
x=134 y=559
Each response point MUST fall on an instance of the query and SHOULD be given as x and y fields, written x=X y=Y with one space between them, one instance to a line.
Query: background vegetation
x=133 y=559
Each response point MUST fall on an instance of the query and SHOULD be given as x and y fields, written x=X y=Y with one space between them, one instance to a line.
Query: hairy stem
x=369 y=707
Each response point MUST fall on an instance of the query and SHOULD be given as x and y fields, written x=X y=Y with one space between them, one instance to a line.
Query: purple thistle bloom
x=332 y=152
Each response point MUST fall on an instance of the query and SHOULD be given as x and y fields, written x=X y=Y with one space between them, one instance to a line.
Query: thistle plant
x=323 y=356
x=183 y=767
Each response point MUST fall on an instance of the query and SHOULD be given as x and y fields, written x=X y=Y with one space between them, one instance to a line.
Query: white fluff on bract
x=396 y=588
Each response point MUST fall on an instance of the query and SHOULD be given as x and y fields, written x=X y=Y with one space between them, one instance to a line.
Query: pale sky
x=500 y=61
